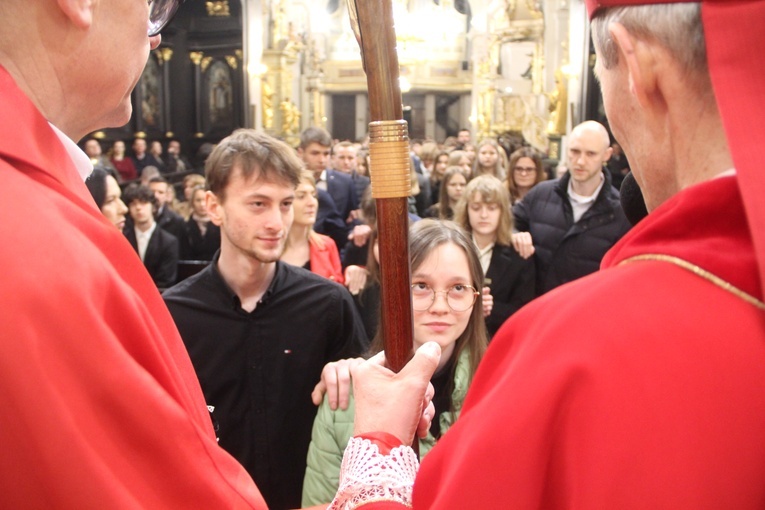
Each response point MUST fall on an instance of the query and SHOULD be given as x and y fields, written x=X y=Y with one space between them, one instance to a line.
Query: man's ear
x=607 y=154
x=214 y=208
x=79 y=12
x=639 y=60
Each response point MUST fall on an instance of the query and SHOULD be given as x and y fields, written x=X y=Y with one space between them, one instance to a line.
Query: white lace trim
x=367 y=476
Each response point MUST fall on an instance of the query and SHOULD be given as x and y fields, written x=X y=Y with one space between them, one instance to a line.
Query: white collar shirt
x=79 y=158
x=484 y=255
x=581 y=204
x=143 y=238
x=322 y=182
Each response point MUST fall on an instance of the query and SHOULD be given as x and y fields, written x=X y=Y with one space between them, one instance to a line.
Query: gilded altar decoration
x=558 y=105
x=290 y=118
x=267 y=101
x=196 y=57
x=220 y=8
x=163 y=55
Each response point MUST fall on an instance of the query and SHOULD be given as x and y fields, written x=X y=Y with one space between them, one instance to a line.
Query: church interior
x=519 y=70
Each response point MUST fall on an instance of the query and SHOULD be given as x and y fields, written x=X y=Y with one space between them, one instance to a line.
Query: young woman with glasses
x=447 y=305
x=525 y=172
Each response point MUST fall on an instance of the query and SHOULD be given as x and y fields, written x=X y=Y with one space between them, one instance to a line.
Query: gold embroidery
x=703 y=273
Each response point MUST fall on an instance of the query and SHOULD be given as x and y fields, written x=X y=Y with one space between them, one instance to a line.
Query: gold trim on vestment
x=703 y=273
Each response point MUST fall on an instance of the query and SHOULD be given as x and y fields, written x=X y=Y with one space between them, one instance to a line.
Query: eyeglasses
x=525 y=169
x=459 y=297
x=160 y=14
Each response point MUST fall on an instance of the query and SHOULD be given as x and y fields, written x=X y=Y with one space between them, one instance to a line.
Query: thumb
x=317 y=395
x=425 y=360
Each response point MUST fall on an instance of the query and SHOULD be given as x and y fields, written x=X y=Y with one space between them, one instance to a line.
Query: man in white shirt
x=573 y=220
x=157 y=248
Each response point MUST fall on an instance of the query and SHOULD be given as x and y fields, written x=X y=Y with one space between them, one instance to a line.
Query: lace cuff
x=367 y=476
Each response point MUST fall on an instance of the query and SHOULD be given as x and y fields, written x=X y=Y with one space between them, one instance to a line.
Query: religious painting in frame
x=218 y=98
x=149 y=98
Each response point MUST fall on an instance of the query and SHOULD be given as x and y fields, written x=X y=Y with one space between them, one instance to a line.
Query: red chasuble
x=101 y=407
x=640 y=386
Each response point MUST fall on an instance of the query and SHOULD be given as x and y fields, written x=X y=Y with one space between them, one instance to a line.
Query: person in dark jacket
x=484 y=212
x=157 y=248
x=201 y=237
x=573 y=220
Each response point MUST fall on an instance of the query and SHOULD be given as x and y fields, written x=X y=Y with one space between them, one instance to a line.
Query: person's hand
x=399 y=404
x=355 y=278
x=360 y=234
x=488 y=301
x=336 y=383
x=523 y=244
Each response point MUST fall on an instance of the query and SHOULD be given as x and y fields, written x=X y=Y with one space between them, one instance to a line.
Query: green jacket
x=333 y=429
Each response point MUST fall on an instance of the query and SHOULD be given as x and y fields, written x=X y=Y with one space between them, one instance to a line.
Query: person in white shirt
x=157 y=248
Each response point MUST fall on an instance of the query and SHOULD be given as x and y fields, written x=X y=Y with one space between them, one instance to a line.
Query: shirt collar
x=485 y=250
x=80 y=159
x=579 y=199
x=279 y=275
x=146 y=234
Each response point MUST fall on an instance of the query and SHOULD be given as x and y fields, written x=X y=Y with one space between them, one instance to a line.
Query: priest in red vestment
x=642 y=385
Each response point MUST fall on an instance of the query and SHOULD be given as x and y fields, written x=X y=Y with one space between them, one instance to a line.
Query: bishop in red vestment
x=642 y=385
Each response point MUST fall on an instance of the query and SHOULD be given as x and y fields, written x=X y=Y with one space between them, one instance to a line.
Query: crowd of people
x=119 y=396
x=493 y=242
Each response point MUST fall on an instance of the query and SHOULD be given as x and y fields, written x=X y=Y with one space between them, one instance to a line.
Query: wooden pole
x=390 y=171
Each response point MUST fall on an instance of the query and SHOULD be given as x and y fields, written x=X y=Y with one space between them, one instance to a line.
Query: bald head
x=594 y=129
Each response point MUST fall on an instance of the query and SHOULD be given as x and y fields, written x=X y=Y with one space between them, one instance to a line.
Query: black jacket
x=195 y=246
x=161 y=258
x=511 y=280
x=171 y=222
x=566 y=250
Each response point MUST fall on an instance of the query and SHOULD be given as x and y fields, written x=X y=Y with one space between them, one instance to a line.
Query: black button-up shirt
x=258 y=369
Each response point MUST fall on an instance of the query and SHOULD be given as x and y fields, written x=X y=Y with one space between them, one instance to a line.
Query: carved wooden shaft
x=372 y=21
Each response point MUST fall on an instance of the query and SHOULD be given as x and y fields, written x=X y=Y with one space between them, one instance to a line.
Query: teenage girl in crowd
x=452 y=186
x=461 y=159
x=484 y=212
x=306 y=248
x=202 y=235
x=490 y=160
x=447 y=309
x=440 y=164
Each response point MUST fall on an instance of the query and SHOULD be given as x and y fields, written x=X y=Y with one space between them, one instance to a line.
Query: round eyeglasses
x=161 y=12
x=459 y=297
x=525 y=170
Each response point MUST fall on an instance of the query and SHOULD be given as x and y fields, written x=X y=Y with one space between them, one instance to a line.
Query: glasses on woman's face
x=160 y=14
x=525 y=170
x=459 y=297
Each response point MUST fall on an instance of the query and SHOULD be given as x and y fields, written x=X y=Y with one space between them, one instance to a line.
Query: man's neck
x=247 y=277
x=588 y=187
x=144 y=226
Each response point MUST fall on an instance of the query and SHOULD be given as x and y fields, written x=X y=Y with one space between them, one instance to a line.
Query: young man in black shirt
x=259 y=331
